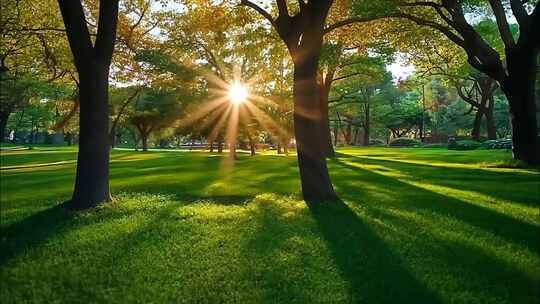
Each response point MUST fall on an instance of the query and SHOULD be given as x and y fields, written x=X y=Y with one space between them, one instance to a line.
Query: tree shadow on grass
x=419 y=199
x=471 y=179
x=467 y=260
x=375 y=273
x=32 y=231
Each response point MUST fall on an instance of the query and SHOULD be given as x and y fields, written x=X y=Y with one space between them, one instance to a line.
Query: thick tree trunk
x=211 y=146
x=92 y=62
x=316 y=185
x=92 y=180
x=475 y=133
x=279 y=150
x=519 y=90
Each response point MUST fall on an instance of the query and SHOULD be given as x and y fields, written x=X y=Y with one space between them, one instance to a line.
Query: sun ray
x=218 y=126
x=203 y=111
x=266 y=121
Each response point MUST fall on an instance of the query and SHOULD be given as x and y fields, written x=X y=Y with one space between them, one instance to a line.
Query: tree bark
x=92 y=63
x=303 y=36
x=519 y=90
x=490 y=121
x=475 y=133
x=316 y=185
x=92 y=179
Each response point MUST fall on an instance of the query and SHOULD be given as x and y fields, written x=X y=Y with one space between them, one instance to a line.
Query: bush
x=502 y=143
x=377 y=142
x=463 y=145
x=404 y=142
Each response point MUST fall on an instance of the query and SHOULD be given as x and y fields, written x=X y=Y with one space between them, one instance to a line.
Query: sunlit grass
x=414 y=226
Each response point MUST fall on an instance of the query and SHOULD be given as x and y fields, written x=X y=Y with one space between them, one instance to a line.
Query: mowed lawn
x=413 y=226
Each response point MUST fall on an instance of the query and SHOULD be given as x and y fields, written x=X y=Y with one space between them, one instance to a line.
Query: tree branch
x=77 y=32
x=260 y=10
x=106 y=34
x=519 y=11
x=502 y=23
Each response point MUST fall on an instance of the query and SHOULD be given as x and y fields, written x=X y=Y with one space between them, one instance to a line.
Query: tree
x=479 y=95
x=303 y=35
x=515 y=75
x=361 y=91
x=155 y=110
x=92 y=61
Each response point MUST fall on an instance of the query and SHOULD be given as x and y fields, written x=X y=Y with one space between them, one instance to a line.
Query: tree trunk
x=519 y=90
x=336 y=135
x=251 y=146
x=211 y=146
x=279 y=151
x=4 y=117
x=92 y=63
x=220 y=145
x=355 y=137
x=232 y=150
x=348 y=132
x=366 y=124
x=326 y=137
x=285 y=148
x=144 y=139
x=490 y=121
x=114 y=126
x=92 y=180
x=475 y=133
x=316 y=185
x=69 y=138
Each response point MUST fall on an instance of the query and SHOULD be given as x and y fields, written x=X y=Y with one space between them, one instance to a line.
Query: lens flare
x=238 y=93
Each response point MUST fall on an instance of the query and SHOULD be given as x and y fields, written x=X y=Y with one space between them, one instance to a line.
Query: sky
x=400 y=70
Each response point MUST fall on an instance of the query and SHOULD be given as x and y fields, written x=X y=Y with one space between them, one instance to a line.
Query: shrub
x=376 y=142
x=503 y=143
x=404 y=142
x=463 y=145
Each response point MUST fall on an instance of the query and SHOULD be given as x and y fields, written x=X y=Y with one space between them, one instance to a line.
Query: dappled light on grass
x=178 y=226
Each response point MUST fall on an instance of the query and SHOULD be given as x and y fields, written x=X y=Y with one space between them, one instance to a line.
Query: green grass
x=413 y=226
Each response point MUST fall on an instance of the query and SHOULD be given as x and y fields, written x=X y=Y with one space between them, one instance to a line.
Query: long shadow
x=513 y=230
x=32 y=231
x=376 y=274
x=464 y=257
x=476 y=180
x=266 y=244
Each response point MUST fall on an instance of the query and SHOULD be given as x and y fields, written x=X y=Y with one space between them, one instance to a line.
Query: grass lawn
x=414 y=226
